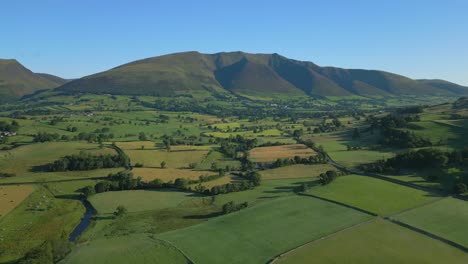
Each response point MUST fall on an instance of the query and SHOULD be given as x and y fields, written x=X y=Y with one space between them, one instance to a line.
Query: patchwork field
x=139 y=200
x=12 y=196
x=126 y=249
x=446 y=218
x=257 y=234
x=371 y=194
x=270 y=154
x=149 y=174
x=376 y=242
x=23 y=160
x=296 y=171
x=174 y=159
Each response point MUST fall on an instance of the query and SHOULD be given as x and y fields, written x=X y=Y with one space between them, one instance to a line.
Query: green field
x=371 y=194
x=446 y=218
x=126 y=249
x=38 y=218
x=376 y=242
x=139 y=200
x=257 y=234
x=24 y=159
x=296 y=171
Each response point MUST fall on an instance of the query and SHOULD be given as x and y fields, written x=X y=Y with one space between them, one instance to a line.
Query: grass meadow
x=376 y=242
x=257 y=234
x=371 y=194
x=446 y=218
x=270 y=154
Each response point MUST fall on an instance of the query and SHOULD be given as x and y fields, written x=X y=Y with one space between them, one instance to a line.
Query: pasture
x=12 y=196
x=24 y=160
x=376 y=242
x=149 y=174
x=138 y=200
x=255 y=235
x=270 y=154
x=38 y=218
x=140 y=248
x=446 y=218
x=371 y=194
x=152 y=158
x=296 y=171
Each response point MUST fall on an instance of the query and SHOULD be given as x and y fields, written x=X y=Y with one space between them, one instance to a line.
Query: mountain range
x=239 y=74
x=17 y=81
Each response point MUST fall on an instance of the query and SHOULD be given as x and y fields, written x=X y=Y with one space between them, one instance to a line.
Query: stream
x=85 y=221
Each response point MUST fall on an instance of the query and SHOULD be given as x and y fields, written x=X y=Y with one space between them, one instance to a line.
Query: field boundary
x=340 y=203
x=284 y=254
x=429 y=234
x=174 y=246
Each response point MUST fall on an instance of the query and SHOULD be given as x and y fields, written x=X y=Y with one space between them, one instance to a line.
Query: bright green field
x=371 y=194
x=257 y=234
x=127 y=249
x=446 y=218
x=139 y=200
x=376 y=242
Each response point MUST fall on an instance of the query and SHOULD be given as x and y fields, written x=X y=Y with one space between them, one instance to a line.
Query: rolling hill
x=259 y=76
x=17 y=81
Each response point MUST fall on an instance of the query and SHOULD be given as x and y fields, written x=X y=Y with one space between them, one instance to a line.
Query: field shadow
x=40 y=168
x=205 y=216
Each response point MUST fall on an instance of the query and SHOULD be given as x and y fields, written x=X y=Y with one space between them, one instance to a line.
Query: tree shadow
x=205 y=216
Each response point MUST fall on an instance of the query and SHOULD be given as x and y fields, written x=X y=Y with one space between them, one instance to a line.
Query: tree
x=163 y=165
x=120 y=211
x=356 y=133
x=142 y=136
x=88 y=191
x=461 y=188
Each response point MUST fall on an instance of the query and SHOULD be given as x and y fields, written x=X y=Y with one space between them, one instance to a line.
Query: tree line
x=86 y=161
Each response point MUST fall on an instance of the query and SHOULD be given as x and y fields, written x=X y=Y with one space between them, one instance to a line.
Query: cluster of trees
x=328 y=127
x=9 y=127
x=404 y=139
x=44 y=137
x=422 y=159
x=115 y=182
x=318 y=159
x=328 y=177
x=233 y=145
x=86 y=161
x=233 y=207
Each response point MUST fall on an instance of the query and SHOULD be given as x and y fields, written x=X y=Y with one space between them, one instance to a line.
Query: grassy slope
x=127 y=249
x=446 y=218
x=251 y=236
x=371 y=194
x=376 y=242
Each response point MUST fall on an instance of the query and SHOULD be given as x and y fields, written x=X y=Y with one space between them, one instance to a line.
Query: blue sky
x=419 y=39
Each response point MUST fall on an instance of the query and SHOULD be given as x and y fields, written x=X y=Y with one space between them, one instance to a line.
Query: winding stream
x=85 y=221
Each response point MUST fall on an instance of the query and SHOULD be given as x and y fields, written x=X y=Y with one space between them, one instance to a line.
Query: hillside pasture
x=272 y=153
x=256 y=234
x=376 y=242
x=140 y=248
x=374 y=195
x=12 y=196
x=446 y=218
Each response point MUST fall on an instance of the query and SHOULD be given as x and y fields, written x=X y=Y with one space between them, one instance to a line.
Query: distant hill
x=251 y=75
x=17 y=81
